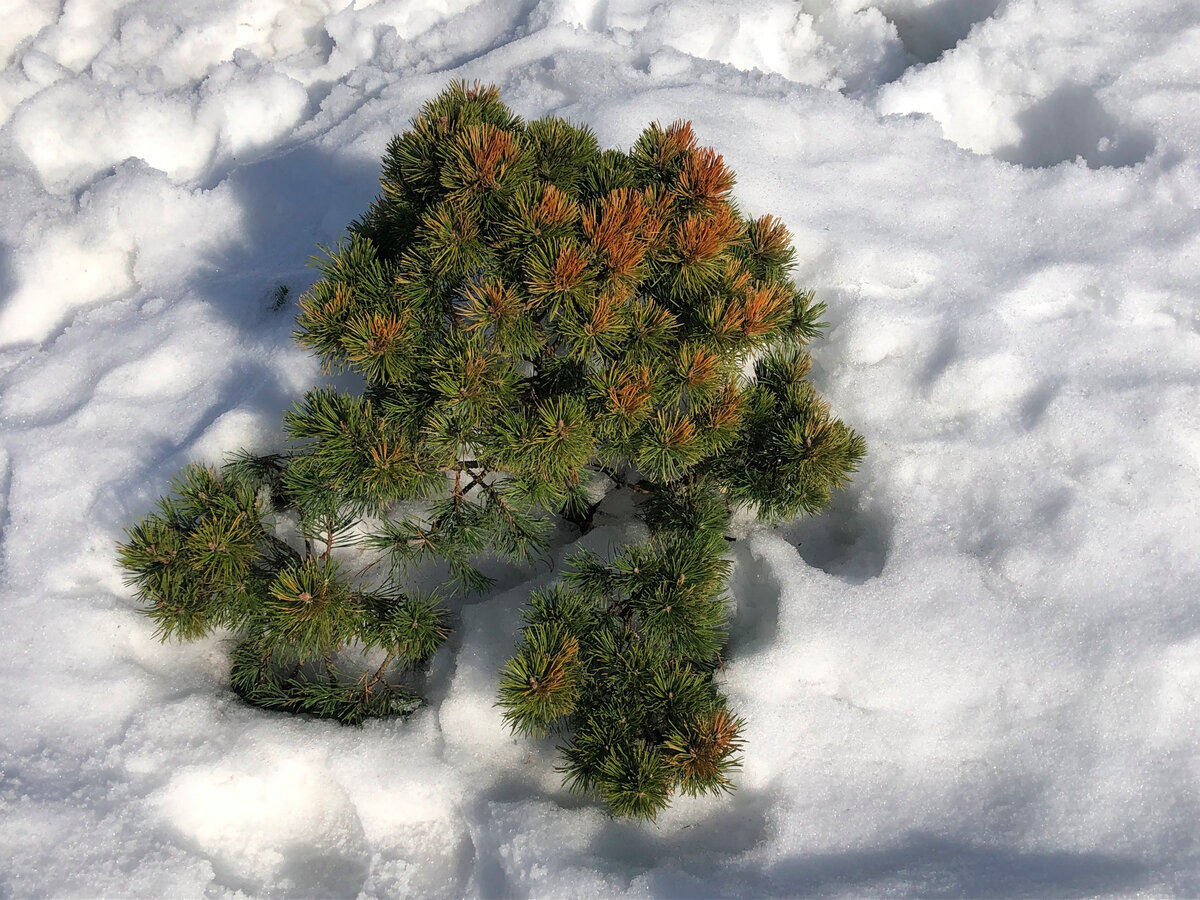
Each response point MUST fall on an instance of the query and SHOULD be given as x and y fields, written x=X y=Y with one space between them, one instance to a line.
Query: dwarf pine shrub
x=537 y=323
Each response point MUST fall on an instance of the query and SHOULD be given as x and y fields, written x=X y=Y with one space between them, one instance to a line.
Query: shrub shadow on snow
x=317 y=871
x=755 y=622
x=926 y=865
x=5 y=489
x=244 y=384
x=734 y=826
x=1034 y=405
x=7 y=283
x=940 y=358
x=6 y=289
x=291 y=203
x=929 y=31
x=1072 y=124
x=850 y=540
x=495 y=817
x=517 y=807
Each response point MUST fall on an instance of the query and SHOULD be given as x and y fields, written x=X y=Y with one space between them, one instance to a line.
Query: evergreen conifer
x=529 y=313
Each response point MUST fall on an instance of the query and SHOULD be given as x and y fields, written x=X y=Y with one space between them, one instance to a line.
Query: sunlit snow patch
x=999 y=91
x=283 y=819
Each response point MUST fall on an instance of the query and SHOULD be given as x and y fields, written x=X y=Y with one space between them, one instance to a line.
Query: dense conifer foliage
x=538 y=323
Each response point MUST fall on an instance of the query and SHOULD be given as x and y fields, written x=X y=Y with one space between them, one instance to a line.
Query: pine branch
x=381 y=671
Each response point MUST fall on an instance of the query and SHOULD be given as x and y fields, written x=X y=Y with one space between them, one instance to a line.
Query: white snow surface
x=977 y=674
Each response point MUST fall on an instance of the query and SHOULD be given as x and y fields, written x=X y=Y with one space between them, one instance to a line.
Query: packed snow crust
x=977 y=674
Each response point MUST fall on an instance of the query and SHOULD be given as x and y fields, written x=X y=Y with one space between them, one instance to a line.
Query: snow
x=977 y=674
